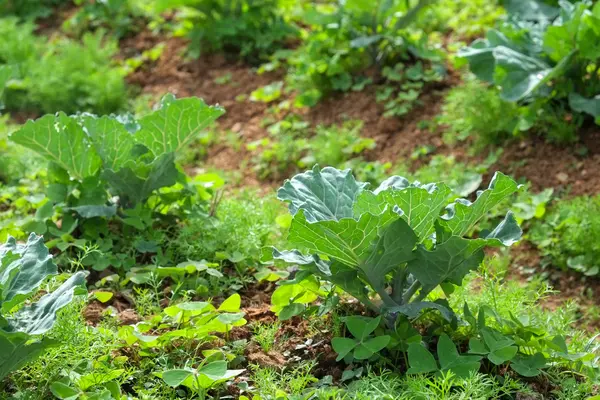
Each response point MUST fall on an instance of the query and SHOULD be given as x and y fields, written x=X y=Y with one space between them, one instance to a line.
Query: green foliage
x=250 y=29
x=117 y=169
x=83 y=76
x=201 y=379
x=241 y=226
x=120 y=17
x=475 y=110
x=566 y=235
x=187 y=322
x=349 y=37
x=29 y=8
x=364 y=345
x=547 y=60
x=23 y=268
x=381 y=241
x=465 y=18
x=289 y=148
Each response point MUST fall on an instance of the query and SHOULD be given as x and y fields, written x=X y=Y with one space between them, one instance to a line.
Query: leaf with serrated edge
x=112 y=141
x=61 y=140
x=175 y=124
x=324 y=195
x=463 y=215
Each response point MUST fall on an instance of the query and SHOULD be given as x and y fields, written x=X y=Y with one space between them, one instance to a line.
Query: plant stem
x=411 y=291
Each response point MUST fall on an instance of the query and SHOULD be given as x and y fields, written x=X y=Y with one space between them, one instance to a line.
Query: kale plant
x=400 y=241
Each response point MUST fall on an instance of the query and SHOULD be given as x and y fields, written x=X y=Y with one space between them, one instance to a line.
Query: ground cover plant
x=146 y=251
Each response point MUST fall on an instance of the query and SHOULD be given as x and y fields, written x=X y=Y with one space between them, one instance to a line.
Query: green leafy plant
x=475 y=110
x=566 y=234
x=349 y=37
x=547 y=59
x=23 y=268
x=364 y=345
x=250 y=29
x=422 y=361
x=113 y=168
x=186 y=321
x=202 y=379
x=83 y=77
x=400 y=241
x=98 y=384
x=120 y=17
x=29 y=8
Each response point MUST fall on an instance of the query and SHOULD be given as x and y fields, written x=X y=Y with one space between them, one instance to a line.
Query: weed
x=265 y=334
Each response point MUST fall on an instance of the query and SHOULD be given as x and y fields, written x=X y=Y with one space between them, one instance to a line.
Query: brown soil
x=95 y=310
x=550 y=166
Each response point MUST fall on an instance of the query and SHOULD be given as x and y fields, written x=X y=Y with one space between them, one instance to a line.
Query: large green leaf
x=60 y=139
x=448 y=262
x=16 y=351
x=463 y=215
x=518 y=74
x=581 y=104
x=393 y=247
x=133 y=188
x=112 y=141
x=23 y=267
x=419 y=206
x=175 y=124
x=324 y=195
x=39 y=317
x=347 y=240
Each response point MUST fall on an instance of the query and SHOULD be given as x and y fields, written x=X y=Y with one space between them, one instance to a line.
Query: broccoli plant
x=393 y=246
x=23 y=268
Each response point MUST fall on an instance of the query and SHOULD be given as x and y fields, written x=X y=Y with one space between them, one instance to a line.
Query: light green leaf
x=231 y=304
x=175 y=124
x=103 y=297
x=176 y=377
x=23 y=267
x=420 y=205
x=39 y=317
x=347 y=240
x=61 y=140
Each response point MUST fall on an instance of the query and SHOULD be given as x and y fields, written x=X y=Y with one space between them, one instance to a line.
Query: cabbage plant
x=390 y=247
x=23 y=268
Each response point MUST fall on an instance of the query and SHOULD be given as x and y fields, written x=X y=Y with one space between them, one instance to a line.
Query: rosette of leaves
x=544 y=56
x=392 y=246
x=108 y=166
x=23 y=268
